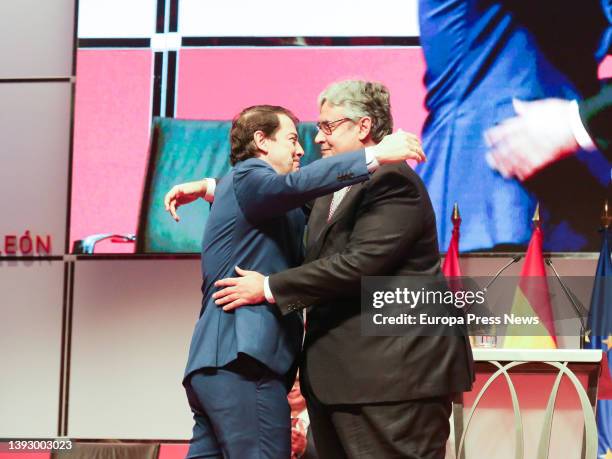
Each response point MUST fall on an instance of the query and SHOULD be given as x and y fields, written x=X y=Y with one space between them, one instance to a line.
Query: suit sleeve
x=262 y=193
x=596 y=115
x=379 y=242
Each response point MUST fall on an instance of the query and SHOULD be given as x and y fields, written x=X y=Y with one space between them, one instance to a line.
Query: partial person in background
x=241 y=364
x=548 y=130
x=480 y=55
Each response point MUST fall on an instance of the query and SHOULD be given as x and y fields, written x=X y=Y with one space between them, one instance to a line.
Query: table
x=563 y=362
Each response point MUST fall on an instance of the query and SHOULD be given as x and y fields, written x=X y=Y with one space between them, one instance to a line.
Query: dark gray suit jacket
x=383 y=227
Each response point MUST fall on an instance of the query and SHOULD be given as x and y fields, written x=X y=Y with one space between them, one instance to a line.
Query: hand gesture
x=182 y=194
x=240 y=291
x=399 y=146
x=540 y=134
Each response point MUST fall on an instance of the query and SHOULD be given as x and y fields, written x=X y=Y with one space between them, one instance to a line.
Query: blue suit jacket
x=480 y=54
x=257 y=223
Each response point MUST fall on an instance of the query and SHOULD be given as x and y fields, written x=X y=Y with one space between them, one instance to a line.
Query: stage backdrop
x=135 y=63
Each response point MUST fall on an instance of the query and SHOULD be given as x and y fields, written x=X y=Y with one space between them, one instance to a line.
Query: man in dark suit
x=368 y=396
x=546 y=131
x=240 y=363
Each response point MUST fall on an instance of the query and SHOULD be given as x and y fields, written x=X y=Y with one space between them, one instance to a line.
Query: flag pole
x=536 y=216
x=456 y=217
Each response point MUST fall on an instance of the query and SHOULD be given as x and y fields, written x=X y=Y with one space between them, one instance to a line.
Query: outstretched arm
x=393 y=148
x=185 y=193
x=262 y=193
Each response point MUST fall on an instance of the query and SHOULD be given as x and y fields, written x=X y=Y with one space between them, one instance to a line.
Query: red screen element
x=111 y=142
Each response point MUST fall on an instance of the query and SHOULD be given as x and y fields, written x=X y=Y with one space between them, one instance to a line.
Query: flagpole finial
x=456 y=217
x=606 y=218
x=536 y=215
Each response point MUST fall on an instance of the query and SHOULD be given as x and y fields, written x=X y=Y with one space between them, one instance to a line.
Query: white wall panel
x=36 y=38
x=30 y=347
x=132 y=324
x=297 y=19
x=35 y=132
x=117 y=18
x=132 y=327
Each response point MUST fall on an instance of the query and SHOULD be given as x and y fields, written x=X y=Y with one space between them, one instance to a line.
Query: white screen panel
x=30 y=347
x=37 y=38
x=298 y=19
x=132 y=321
x=35 y=132
x=117 y=18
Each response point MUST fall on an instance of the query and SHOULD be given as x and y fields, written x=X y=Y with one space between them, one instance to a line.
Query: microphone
x=579 y=308
x=506 y=266
x=489 y=341
x=503 y=268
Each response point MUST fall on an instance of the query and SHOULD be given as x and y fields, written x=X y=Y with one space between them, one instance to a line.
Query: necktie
x=336 y=200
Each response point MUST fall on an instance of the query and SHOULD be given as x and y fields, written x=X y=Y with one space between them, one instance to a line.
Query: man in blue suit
x=480 y=55
x=241 y=364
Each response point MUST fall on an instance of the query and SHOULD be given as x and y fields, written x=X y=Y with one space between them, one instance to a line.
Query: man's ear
x=261 y=141
x=365 y=128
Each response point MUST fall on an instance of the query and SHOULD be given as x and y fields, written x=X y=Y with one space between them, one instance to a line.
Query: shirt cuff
x=211 y=184
x=267 y=292
x=580 y=133
x=371 y=161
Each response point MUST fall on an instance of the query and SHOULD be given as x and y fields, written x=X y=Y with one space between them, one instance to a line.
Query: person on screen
x=241 y=364
x=480 y=55
x=367 y=396
x=547 y=130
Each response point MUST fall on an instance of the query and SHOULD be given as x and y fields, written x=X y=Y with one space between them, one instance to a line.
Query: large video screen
x=158 y=83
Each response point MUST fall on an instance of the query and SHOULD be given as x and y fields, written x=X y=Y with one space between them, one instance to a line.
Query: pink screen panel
x=217 y=83
x=173 y=450
x=111 y=141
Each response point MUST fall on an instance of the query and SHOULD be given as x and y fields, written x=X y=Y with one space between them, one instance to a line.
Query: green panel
x=182 y=151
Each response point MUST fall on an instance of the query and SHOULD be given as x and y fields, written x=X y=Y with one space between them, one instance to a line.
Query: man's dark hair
x=262 y=118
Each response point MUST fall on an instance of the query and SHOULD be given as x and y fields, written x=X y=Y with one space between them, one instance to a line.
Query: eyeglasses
x=328 y=126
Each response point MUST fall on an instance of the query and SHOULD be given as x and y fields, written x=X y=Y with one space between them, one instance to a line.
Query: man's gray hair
x=359 y=99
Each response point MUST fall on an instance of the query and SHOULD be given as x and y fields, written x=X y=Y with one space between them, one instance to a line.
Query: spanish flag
x=532 y=299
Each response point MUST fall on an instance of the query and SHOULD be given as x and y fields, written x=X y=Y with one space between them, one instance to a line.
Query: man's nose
x=320 y=137
x=299 y=150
